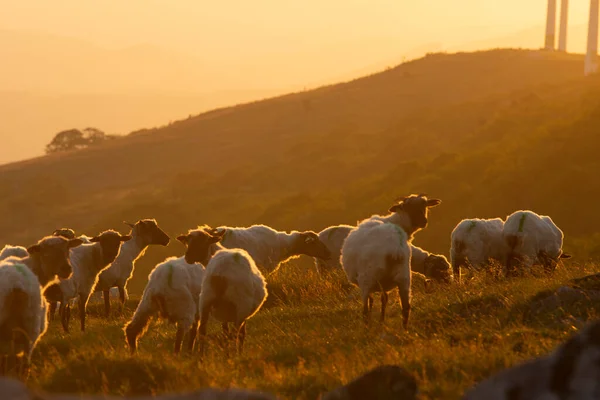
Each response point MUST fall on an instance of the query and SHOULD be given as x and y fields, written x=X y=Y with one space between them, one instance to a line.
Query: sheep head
x=198 y=244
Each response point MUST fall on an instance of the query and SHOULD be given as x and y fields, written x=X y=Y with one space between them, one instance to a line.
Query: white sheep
x=13 y=251
x=427 y=265
x=172 y=293
x=532 y=239
x=333 y=238
x=88 y=261
x=233 y=288
x=144 y=233
x=434 y=266
x=22 y=307
x=376 y=254
x=571 y=371
x=475 y=242
x=270 y=248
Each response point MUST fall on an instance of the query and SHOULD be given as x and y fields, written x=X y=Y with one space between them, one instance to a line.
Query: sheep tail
x=219 y=285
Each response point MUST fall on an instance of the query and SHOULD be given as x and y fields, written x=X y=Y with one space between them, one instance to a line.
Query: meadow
x=488 y=133
x=309 y=338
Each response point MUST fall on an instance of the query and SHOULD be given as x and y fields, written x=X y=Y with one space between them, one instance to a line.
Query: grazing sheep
x=270 y=248
x=532 y=239
x=376 y=254
x=13 y=251
x=144 y=233
x=333 y=238
x=475 y=242
x=172 y=292
x=88 y=261
x=434 y=266
x=22 y=307
x=571 y=371
x=233 y=289
x=385 y=382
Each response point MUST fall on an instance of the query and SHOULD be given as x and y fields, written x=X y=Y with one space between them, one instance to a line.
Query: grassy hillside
x=310 y=338
x=486 y=132
x=474 y=129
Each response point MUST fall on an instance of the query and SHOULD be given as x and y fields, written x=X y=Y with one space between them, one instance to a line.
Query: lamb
x=172 y=292
x=333 y=238
x=532 y=239
x=270 y=248
x=571 y=371
x=22 y=307
x=475 y=242
x=233 y=288
x=88 y=261
x=376 y=254
x=144 y=233
x=434 y=266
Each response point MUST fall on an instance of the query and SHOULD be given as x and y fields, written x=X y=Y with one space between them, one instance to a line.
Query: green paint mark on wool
x=401 y=233
x=170 y=276
x=472 y=225
x=22 y=268
x=522 y=222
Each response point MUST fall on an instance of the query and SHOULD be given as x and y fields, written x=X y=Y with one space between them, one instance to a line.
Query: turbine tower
x=564 y=17
x=591 y=57
x=550 y=25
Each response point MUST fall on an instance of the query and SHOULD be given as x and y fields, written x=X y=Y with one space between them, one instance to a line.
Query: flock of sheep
x=222 y=270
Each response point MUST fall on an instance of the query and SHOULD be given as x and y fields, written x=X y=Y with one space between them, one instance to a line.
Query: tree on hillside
x=74 y=139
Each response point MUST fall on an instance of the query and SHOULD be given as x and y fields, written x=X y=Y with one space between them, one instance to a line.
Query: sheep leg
x=226 y=338
x=384 y=301
x=547 y=261
x=181 y=329
x=404 y=290
x=366 y=310
x=122 y=296
x=65 y=316
x=106 y=294
x=204 y=314
x=241 y=335
x=83 y=299
x=192 y=334
x=138 y=324
x=52 y=310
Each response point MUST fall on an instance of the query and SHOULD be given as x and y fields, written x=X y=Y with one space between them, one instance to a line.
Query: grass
x=309 y=338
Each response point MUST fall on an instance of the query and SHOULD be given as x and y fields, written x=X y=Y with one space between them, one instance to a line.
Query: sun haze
x=121 y=66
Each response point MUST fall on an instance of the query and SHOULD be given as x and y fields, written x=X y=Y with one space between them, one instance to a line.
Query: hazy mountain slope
x=463 y=127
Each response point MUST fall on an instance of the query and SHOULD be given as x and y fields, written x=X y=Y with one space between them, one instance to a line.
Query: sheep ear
x=34 y=249
x=56 y=232
x=95 y=239
x=125 y=238
x=216 y=238
x=182 y=238
x=433 y=202
x=396 y=207
x=129 y=224
x=75 y=242
x=564 y=255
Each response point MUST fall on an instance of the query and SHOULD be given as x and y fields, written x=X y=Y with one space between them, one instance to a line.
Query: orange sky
x=187 y=56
